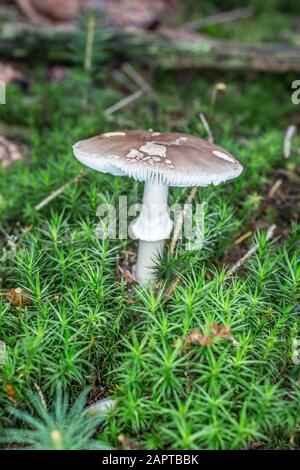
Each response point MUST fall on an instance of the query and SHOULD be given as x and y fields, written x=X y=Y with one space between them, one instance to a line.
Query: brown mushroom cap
x=168 y=158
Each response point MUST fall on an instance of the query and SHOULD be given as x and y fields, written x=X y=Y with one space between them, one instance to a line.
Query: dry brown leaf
x=125 y=266
x=18 y=297
x=220 y=331
x=10 y=391
x=217 y=331
x=223 y=332
x=196 y=337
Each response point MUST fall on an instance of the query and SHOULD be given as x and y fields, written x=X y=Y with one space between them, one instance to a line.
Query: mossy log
x=166 y=49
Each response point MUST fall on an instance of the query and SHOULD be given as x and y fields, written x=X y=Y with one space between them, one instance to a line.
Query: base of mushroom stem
x=148 y=256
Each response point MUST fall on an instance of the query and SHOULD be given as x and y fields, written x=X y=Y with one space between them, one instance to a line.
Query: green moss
x=79 y=328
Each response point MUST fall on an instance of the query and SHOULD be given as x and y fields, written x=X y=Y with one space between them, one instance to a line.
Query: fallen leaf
x=217 y=331
x=221 y=331
x=10 y=391
x=196 y=337
x=18 y=297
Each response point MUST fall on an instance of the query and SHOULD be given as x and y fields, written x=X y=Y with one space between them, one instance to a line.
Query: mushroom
x=160 y=160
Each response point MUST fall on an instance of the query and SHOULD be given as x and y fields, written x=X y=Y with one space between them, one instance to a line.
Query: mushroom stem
x=152 y=228
x=148 y=254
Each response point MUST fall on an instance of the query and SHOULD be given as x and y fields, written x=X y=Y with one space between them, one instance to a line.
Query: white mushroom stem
x=152 y=228
x=148 y=255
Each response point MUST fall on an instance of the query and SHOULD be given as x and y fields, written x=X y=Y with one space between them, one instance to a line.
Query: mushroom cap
x=173 y=159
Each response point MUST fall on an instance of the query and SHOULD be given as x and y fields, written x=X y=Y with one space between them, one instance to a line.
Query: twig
x=289 y=135
x=219 y=18
x=123 y=80
x=290 y=175
x=253 y=249
x=175 y=238
x=42 y=398
x=172 y=287
x=123 y=102
x=58 y=191
x=180 y=220
x=205 y=124
x=137 y=78
x=88 y=56
x=144 y=87
x=275 y=188
x=192 y=194
x=243 y=237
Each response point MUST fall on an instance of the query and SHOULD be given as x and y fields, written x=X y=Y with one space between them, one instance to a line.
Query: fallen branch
x=293 y=177
x=137 y=78
x=253 y=249
x=58 y=191
x=219 y=18
x=166 y=48
x=123 y=102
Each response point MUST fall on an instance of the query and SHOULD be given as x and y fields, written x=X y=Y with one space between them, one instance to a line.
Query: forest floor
x=77 y=321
